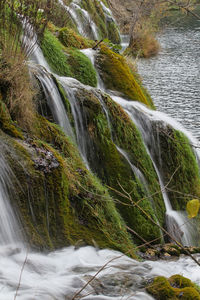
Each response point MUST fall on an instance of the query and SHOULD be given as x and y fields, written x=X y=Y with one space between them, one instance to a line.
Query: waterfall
x=90 y=53
x=70 y=85
x=81 y=18
x=141 y=116
x=144 y=119
x=9 y=226
x=53 y=99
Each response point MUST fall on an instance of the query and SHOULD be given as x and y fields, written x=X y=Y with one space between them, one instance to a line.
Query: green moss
x=71 y=63
x=127 y=137
x=161 y=289
x=113 y=169
x=69 y=38
x=66 y=204
x=6 y=123
x=113 y=33
x=82 y=68
x=179 y=160
x=54 y=54
x=180 y=281
x=176 y=287
x=117 y=75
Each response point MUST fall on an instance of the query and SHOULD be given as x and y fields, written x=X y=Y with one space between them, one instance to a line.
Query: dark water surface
x=173 y=77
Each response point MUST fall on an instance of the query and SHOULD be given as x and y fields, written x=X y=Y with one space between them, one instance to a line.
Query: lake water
x=173 y=77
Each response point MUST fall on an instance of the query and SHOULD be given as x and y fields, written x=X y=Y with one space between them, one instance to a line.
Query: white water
x=144 y=118
x=81 y=18
x=60 y=274
x=53 y=98
x=70 y=86
x=9 y=227
x=91 y=54
x=177 y=224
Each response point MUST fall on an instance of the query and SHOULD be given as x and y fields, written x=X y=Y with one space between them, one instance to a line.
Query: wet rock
x=116 y=284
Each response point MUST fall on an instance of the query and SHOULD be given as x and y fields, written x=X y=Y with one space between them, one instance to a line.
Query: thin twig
x=21 y=272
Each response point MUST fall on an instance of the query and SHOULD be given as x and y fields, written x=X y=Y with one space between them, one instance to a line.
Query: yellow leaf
x=193 y=208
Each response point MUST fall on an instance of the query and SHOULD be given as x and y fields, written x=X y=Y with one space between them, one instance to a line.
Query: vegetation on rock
x=117 y=76
x=175 y=287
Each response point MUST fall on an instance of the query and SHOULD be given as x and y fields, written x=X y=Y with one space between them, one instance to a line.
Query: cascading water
x=53 y=98
x=70 y=85
x=9 y=227
x=81 y=18
x=61 y=274
x=144 y=120
x=177 y=222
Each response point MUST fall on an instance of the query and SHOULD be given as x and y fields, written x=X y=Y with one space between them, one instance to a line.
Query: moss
x=176 y=287
x=161 y=289
x=6 y=123
x=117 y=75
x=113 y=32
x=106 y=26
x=189 y=293
x=127 y=137
x=54 y=54
x=179 y=159
x=180 y=281
x=82 y=68
x=68 y=62
x=69 y=38
x=61 y=206
x=113 y=169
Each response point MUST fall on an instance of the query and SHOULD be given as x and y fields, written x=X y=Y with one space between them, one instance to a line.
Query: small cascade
x=40 y=69
x=81 y=18
x=90 y=53
x=53 y=98
x=70 y=85
x=145 y=119
x=124 y=41
x=9 y=227
x=135 y=170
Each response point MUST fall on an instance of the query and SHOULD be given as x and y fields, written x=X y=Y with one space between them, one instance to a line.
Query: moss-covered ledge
x=179 y=167
x=113 y=169
x=60 y=203
x=116 y=75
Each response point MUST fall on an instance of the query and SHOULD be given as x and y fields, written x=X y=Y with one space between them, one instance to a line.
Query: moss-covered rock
x=117 y=75
x=176 y=287
x=112 y=168
x=54 y=54
x=179 y=160
x=161 y=289
x=69 y=38
x=6 y=123
x=59 y=201
x=68 y=62
x=82 y=68
x=107 y=28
